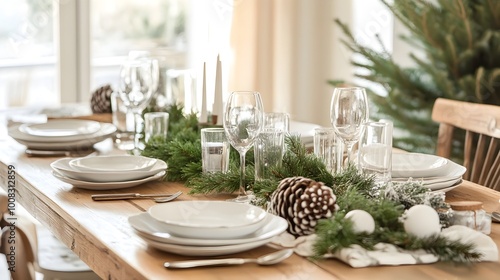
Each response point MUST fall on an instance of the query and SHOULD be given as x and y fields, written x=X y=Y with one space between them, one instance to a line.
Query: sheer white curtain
x=287 y=50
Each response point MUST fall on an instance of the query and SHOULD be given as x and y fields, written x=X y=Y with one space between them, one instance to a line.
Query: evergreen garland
x=337 y=233
x=182 y=152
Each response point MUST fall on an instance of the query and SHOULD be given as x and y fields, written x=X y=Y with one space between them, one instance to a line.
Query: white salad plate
x=205 y=251
x=106 y=185
x=209 y=219
x=149 y=228
x=104 y=132
x=117 y=163
x=417 y=165
x=63 y=167
x=62 y=130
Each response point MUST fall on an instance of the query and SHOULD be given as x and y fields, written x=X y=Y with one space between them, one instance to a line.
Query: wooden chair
x=481 y=124
x=49 y=257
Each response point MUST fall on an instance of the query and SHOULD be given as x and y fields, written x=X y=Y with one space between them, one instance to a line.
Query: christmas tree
x=460 y=40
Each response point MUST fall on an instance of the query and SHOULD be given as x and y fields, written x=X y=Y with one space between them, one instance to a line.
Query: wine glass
x=136 y=90
x=243 y=121
x=348 y=113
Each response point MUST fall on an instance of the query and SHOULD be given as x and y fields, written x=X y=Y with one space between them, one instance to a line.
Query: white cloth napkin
x=388 y=254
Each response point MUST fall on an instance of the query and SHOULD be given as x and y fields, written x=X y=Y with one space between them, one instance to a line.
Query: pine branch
x=337 y=233
x=460 y=42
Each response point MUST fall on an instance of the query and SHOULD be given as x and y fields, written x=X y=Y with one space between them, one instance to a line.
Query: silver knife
x=61 y=153
x=116 y=196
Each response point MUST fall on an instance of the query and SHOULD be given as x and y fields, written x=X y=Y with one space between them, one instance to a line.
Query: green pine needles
x=337 y=233
x=182 y=152
x=458 y=43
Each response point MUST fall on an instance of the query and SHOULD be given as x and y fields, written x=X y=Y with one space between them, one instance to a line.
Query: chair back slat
x=469 y=139
x=481 y=124
x=445 y=137
x=489 y=160
x=493 y=178
x=479 y=157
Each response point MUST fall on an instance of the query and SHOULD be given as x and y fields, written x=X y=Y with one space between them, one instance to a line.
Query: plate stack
x=108 y=172
x=206 y=228
x=436 y=173
x=62 y=134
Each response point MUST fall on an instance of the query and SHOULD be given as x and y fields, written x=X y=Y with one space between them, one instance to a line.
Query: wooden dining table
x=99 y=232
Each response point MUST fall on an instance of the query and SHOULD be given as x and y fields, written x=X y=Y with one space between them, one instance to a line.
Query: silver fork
x=167 y=199
x=160 y=198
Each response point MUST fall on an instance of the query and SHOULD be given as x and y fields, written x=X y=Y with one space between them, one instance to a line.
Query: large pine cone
x=100 y=101
x=302 y=202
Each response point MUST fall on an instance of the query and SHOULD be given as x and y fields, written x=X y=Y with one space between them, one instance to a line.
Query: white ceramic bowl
x=417 y=165
x=209 y=219
x=119 y=163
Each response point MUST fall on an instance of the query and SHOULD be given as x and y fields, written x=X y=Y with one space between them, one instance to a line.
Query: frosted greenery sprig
x=337 y=232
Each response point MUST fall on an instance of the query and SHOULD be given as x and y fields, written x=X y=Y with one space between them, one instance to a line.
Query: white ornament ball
x=362 y=221
x=422 y=221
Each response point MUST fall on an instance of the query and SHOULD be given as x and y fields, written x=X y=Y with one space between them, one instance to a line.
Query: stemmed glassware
x=243 y=121
x=136 y=90
x=348 y=113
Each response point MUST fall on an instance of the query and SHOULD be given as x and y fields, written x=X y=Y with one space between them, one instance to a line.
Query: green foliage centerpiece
x=350 y=190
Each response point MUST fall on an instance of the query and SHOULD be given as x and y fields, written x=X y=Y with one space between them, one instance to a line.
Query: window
x=27 y=69
x=96 y=36
x=121 y=26
x=102 y=32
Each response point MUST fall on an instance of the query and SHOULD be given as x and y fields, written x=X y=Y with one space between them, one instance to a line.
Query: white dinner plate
x=451 y=171
x=449 y=188
x=62 y=166
x=205 y=251
x=60 y=130
x=107 y=185
x=106 y=131
x=442 y=185
x=148 y=227
x=209 y=219
x=417 y=165
x=116 y=163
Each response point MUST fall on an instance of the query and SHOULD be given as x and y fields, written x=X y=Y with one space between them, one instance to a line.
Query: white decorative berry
x=362 y=221
x=422 y=221
x=302 y=202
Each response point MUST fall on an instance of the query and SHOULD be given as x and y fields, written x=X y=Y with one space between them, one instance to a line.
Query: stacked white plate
x=108 y=172
x=206 y=228
x=62 y=134
x=436 y=173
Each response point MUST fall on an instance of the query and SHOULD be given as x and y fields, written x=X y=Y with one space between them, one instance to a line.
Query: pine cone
x=100 y=101
x=302 y=202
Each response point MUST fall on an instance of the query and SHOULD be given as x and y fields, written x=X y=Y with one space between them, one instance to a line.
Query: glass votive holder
x=375 y=151
x=123 y=119
x=215 y=150
x=155 y=125
x=329 y=148
x=277 y=120
x=268 y=152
